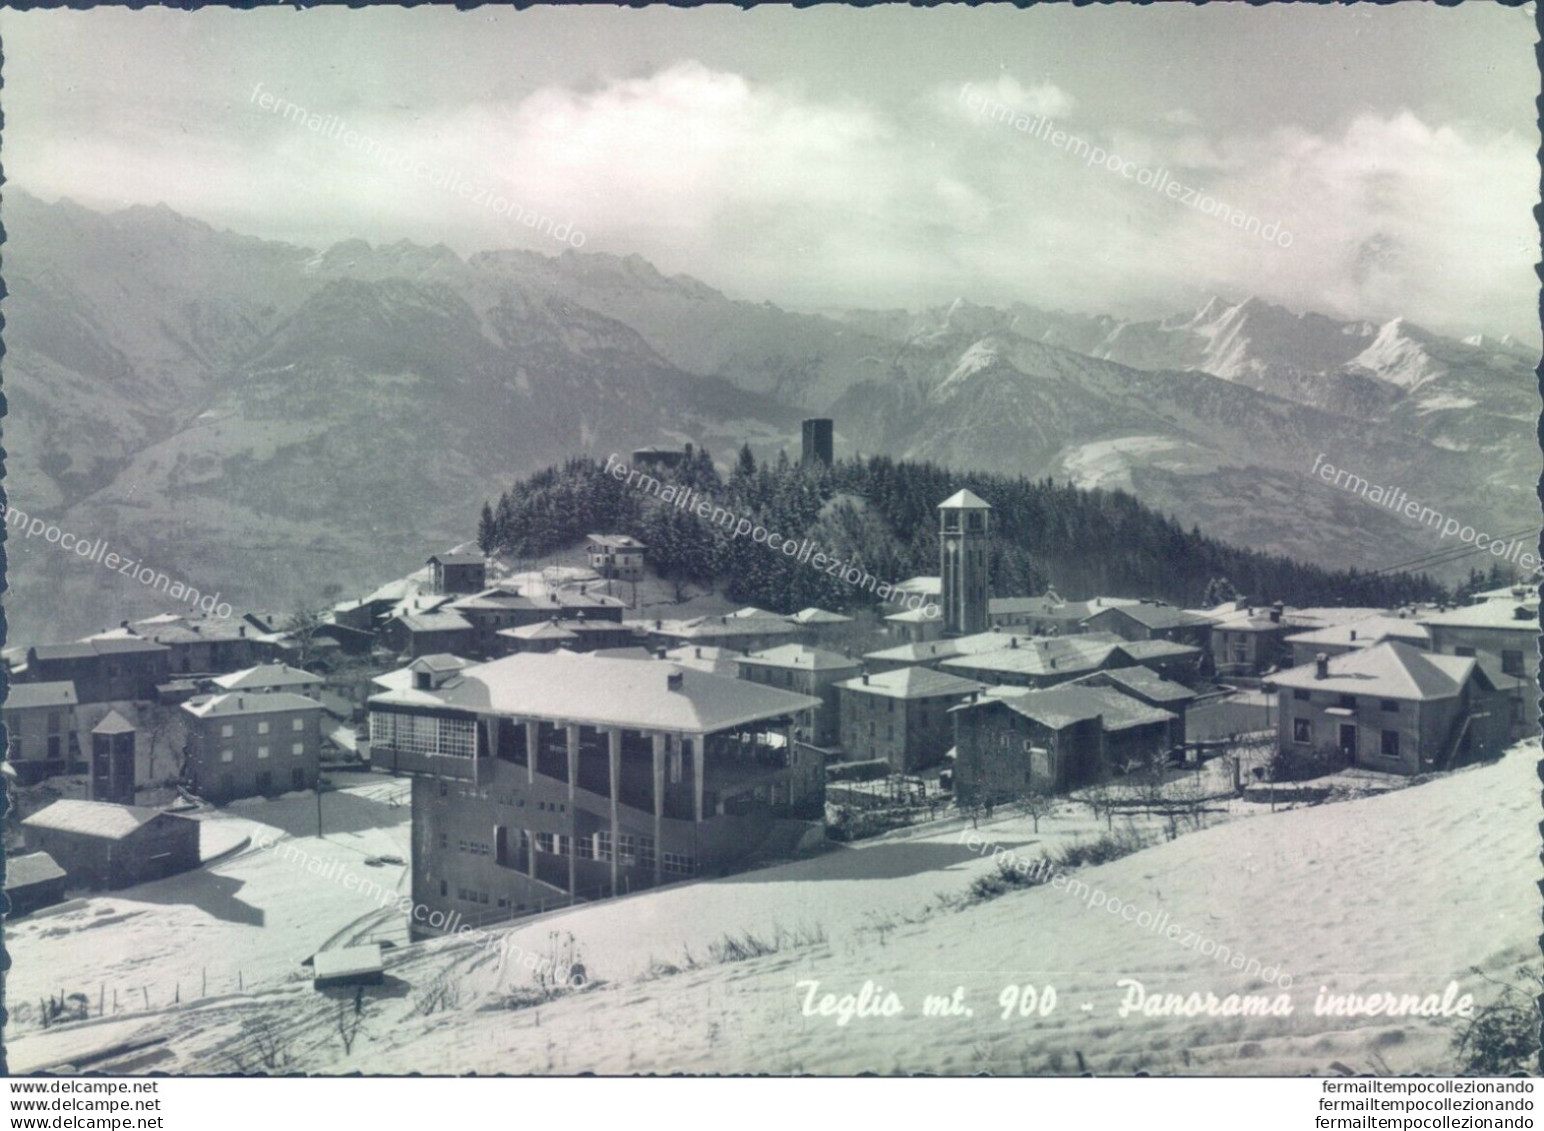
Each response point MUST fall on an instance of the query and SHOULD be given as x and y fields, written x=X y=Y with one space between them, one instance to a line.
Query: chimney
x=1321 y=665
x=1522 y=612
x=125 y=624
x=1013 y=641
x=659 y=624
x=699 y=653
x=661 y=653
x=241 y=629
x=241 y=704
x=674 y=681
x=1353 y=634
x=582 y=589
x=1275 y=614
x=865 y=679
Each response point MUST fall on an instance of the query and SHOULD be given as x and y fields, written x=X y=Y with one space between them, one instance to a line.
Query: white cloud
x=772 y=192
x=972 y=99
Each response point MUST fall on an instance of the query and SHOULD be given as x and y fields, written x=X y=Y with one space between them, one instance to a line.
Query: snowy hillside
x=1430 y=880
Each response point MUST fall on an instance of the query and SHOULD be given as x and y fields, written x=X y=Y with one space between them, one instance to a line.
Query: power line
x=1452 y=553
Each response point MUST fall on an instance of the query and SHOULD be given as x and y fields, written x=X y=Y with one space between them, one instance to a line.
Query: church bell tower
x=963 y=525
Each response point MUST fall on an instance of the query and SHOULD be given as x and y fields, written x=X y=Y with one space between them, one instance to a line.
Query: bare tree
x=163 y=729
x=1100 y=797
x=302 y=627
x=1036 y=803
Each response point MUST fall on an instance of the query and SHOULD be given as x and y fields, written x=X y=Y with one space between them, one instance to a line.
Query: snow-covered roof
x=348 y=962
x=912 y=683
x=266 y=676
x=706 y=658
x=435 y=622
x=1364 y=633
x=34 y=868
x=93 y=818
x=1040 y=656
x=113 y=723
x=231 y=703
x=925 y=615
x=1391 y=670
x=601 y=691
x=1059 y=707
x=1155 y=617
x=964 y=499
x=813 y=615
x=1521 y=616
x=1146 y=682
x=53 y=693
x=804 y=658
x=616 y=541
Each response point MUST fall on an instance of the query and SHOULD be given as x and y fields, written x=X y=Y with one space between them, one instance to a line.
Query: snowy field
x=1402 y=893
x=242 y=923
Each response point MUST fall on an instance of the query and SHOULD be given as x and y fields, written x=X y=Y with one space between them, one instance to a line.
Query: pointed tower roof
x=964 y=500
x=113 y=723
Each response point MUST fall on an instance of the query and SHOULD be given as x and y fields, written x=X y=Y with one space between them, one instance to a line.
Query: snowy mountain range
x=263 y=419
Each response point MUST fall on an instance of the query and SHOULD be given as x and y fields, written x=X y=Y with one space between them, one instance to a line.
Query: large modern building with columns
x=544 y=779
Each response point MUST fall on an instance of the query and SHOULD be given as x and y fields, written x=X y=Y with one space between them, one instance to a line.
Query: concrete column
x=530 y=851
x=614 y=758
x=789 y=751
x=659 y=806
x=573 y=814
x=697 y=758
x=532 y=740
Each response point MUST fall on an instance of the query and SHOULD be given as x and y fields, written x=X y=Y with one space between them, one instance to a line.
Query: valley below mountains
x=261 y=419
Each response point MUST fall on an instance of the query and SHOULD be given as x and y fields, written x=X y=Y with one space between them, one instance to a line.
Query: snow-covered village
x=738 y=643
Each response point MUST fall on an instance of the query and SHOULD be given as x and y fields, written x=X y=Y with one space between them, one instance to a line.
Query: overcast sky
x=825 y=157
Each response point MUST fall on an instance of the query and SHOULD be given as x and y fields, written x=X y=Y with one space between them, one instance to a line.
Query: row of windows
x=264 y=726
x=297 y=749
x=1391 y=706
x=1388 y=746
x=677 y=864
x=264 y=781
x=856 y=703
x=424 y=734
x=471 y=895
x=471 y=793
x=14 y=722
x=632 y=850
x=55 y=747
